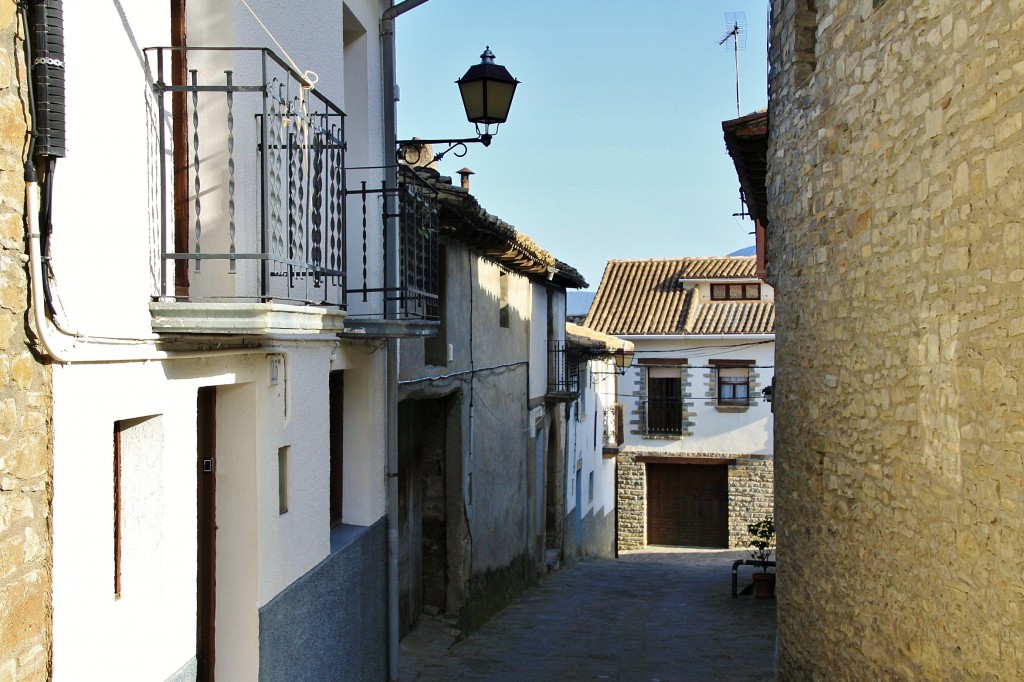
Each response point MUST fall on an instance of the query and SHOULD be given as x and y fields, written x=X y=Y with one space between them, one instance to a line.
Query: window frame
x=733 y=379
x=745 y=291
x=663 y=420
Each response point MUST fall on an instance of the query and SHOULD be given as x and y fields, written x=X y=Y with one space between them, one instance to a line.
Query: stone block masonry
x=750 y=496
x=25 y=404
x=895 y=244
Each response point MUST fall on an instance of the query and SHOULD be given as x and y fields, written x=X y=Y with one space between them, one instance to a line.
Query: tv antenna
x=735 y=33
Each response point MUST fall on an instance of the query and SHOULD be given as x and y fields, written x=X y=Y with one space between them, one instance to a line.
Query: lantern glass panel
x=473 y=99
x=499 y=101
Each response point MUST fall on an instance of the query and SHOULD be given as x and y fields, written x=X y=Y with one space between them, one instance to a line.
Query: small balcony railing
x=253 y=194
x=664 y=416
x=614 y=424
x=416 y=296
x=564 y=359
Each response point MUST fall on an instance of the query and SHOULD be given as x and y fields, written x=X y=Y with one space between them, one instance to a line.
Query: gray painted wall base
x=331 y=624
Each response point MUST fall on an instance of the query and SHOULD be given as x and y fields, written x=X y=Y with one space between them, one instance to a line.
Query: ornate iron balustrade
x=614 y=424
x=251 y=179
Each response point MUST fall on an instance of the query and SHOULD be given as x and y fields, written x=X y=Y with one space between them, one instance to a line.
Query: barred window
x=736 y=292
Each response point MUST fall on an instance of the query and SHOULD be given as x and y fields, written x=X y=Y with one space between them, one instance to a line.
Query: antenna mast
x=736 y=32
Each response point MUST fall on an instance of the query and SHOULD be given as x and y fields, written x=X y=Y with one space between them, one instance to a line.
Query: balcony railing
x=253 y=193
x=418 y=215
x=664 y=416
x=564 y=359
x=614 y=426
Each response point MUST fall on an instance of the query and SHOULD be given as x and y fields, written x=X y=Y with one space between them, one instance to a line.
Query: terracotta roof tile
x=639 y=297
x=717 y=268
x=734 y=317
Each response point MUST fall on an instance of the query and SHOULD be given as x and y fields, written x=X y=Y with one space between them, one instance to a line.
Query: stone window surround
x=638 y=425
x=753 y=383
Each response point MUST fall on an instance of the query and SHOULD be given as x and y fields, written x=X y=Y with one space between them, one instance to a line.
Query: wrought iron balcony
x=253 y=195
x=614 y=426
x=419 y=222
x=564 y=359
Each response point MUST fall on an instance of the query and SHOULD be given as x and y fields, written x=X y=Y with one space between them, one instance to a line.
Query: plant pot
x=764 y=585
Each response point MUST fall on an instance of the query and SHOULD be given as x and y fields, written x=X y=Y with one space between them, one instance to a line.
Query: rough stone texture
x=896 y=176
x=751 y=496
x=25 y=405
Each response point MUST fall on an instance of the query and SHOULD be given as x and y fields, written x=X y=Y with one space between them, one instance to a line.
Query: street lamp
x=487 y=90
x=622 y=357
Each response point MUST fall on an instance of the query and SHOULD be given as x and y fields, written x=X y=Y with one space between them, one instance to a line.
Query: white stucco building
x=222 y=365
x=594 y=428
x=695 y=466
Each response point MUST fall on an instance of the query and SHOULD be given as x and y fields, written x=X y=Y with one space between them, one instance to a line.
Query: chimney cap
x=465 y=171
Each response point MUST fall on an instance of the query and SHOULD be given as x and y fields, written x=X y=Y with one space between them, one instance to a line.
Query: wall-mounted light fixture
x=487 y=90
x=622 y=357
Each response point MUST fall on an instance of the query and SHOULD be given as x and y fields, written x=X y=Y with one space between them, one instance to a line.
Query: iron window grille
x=735 y=292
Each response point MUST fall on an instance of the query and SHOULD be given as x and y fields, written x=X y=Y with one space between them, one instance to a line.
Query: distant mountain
x=748 y=251
x=577 y=303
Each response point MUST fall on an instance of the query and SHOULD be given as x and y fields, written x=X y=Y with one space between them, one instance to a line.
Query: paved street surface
x=657 y=615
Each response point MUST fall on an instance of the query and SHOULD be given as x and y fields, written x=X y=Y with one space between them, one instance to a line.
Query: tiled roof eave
x=468 y=222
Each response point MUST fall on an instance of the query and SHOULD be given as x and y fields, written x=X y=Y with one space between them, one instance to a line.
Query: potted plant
x=762 y=542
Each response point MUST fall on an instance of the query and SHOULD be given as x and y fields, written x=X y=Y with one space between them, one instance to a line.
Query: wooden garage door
x=687 y=505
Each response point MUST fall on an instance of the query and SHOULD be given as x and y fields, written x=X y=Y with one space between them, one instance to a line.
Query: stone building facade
x=751 y=496
x=25 y=412
x=695 y=467
x=896 y=174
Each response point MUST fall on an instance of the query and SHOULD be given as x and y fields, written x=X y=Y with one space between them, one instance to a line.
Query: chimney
x=464 y=174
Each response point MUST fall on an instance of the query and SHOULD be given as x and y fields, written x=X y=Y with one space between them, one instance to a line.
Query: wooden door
x=688 y=505
x=206 y=497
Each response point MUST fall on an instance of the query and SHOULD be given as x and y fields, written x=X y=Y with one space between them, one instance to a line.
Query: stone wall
x=750 y=493
x=751 y=496
x=631 y=502
x=896 y=176
x=25 y=404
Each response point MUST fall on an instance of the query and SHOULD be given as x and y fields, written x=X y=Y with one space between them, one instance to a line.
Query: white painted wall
x=105 y=258
x=260 y=552
x=365 y=483
x=539 y=302
x=714 y=431
x=585 y=448
x=105 y=202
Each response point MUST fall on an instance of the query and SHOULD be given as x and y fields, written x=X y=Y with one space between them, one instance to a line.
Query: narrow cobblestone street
x=655 y=615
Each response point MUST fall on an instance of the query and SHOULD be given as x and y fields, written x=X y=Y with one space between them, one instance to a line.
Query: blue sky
x=613 y=147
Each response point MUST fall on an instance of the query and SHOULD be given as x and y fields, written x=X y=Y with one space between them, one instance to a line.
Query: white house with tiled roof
x=695 y=465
